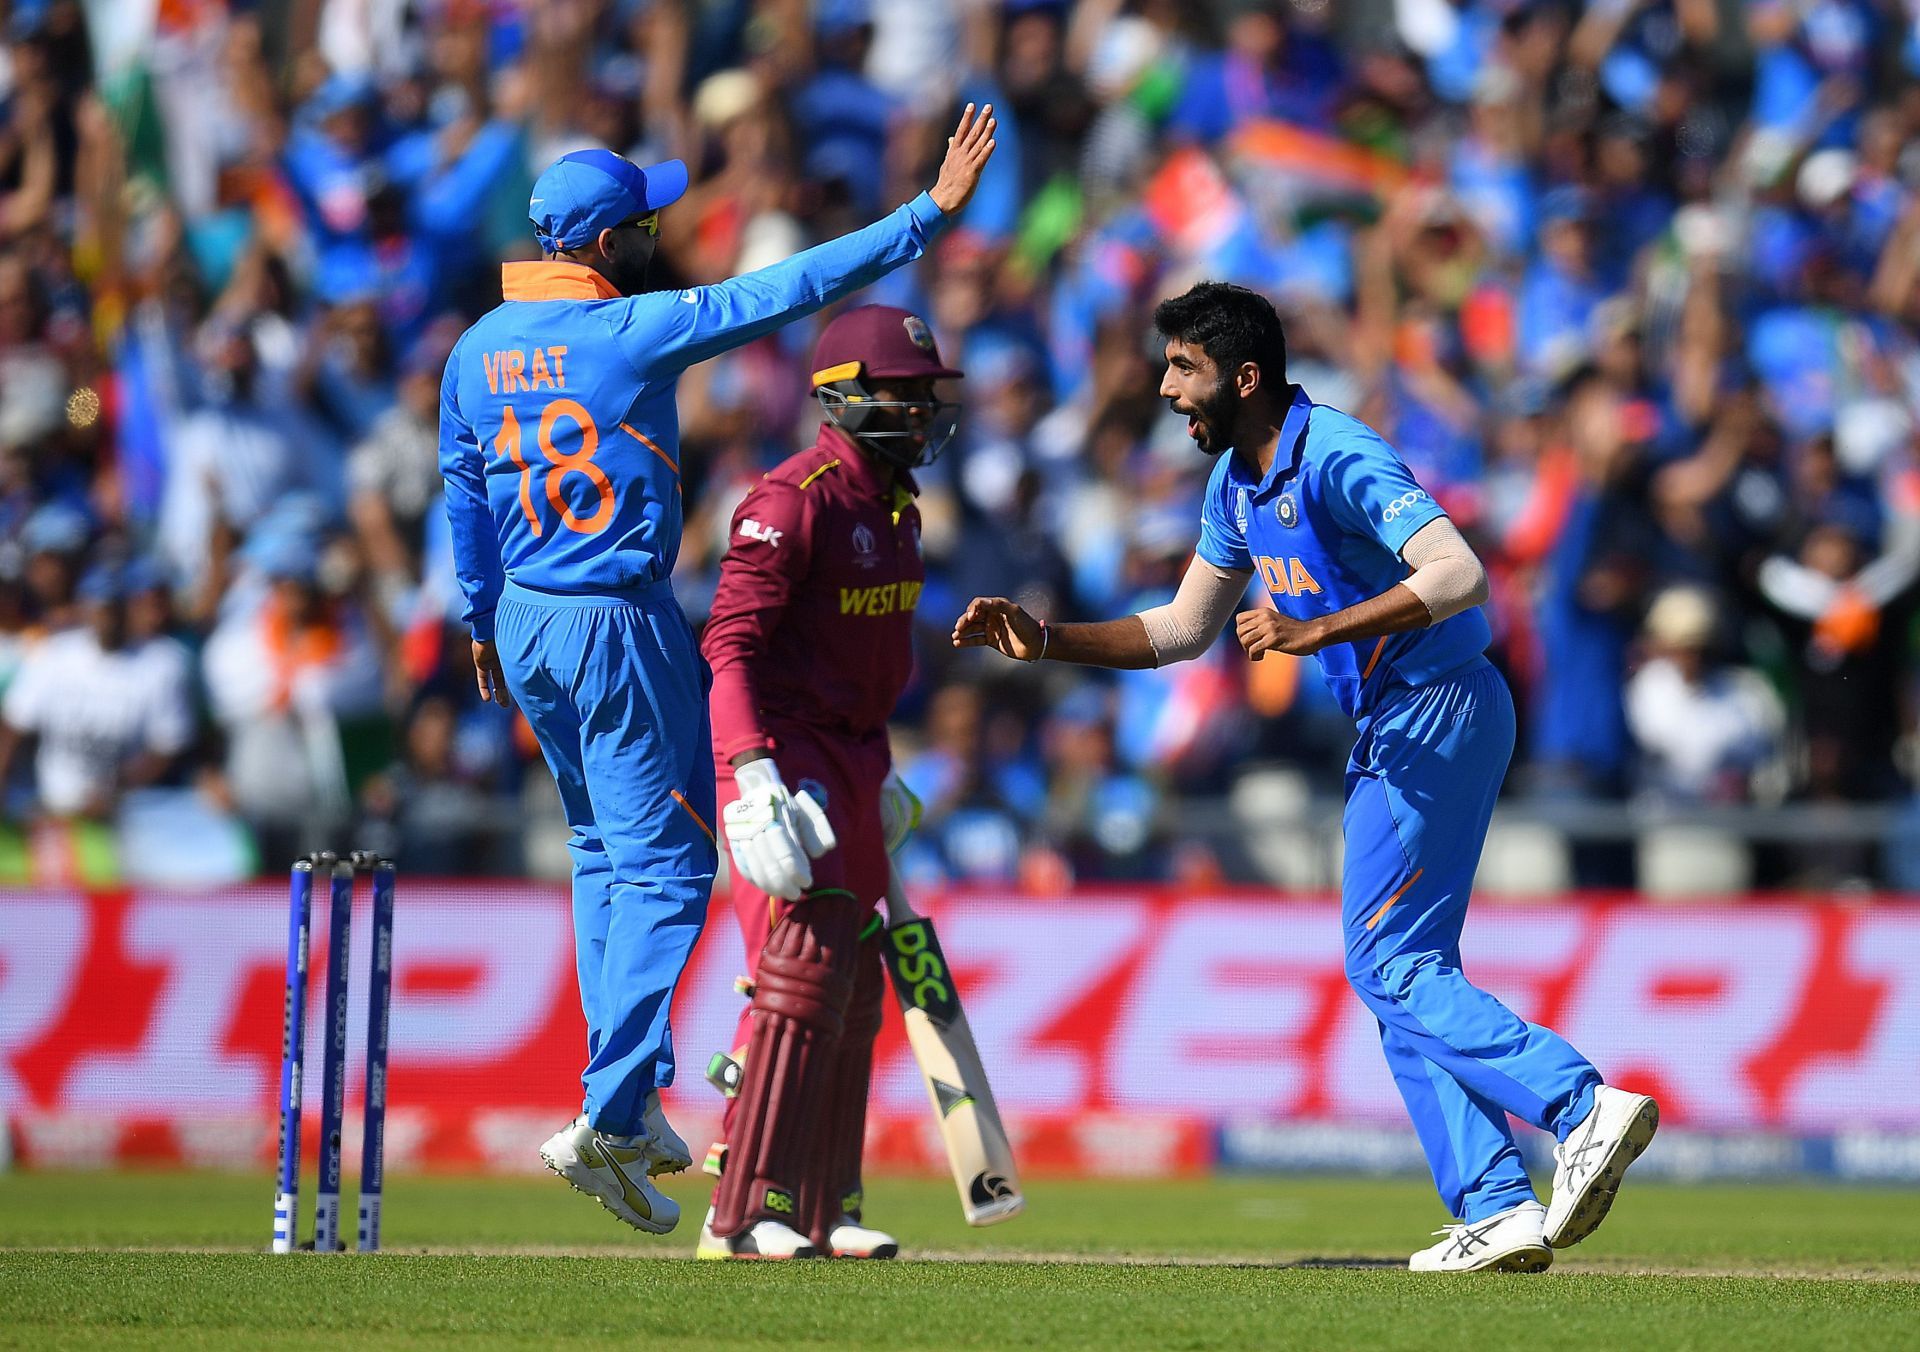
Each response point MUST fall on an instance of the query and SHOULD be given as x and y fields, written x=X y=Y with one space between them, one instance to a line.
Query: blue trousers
x=1420 y=791
x=616 y=692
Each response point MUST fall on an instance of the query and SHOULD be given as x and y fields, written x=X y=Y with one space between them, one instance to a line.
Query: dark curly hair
x=1231 y=325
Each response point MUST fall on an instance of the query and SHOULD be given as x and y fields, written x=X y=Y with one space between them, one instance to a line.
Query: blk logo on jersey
x=1286 y=577
x=766 y=535
x=863 y=546
x=1287 y=510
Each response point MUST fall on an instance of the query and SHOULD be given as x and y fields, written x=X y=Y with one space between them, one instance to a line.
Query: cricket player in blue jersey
x=560 y=447
x=1369 y=576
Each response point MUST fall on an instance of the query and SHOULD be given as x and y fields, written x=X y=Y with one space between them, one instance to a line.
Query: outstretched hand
x=997 y=623
x=968 y=150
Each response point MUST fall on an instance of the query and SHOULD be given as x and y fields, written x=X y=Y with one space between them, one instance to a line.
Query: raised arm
x=706 y=320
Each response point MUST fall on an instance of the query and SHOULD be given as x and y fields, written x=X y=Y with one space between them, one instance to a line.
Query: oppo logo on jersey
x=1285 y=577
x=886 y=598
x=1404 y=502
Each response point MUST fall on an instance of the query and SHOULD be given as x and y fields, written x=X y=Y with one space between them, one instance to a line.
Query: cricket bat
x=977 y=1145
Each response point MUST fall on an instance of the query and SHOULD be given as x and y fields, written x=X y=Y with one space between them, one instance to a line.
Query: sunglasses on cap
x=649 y=223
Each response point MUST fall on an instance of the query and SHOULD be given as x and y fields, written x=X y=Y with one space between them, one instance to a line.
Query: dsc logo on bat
x=919 y=965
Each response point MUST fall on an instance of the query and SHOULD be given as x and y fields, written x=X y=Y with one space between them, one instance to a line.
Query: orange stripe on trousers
x=1387 y=905
x=698 y=820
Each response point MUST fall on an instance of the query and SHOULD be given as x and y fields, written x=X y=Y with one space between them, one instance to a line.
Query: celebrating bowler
x=1369 y=576
x=559 y=443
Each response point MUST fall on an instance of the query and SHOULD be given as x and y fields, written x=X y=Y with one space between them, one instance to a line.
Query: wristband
x=1046 y=636
x=757 y=776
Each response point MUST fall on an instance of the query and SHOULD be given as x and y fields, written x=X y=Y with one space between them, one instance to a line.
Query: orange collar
x=554 y=280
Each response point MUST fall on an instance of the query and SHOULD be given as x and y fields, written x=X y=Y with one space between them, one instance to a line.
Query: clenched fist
x=1268 y=631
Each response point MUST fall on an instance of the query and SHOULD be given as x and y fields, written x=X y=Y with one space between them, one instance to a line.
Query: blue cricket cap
x=834 y=17
x=1568 y=202
x=104 y=582
x=283 y=553
x=339 y=93
x=593 y=190
x=142 y=575
x=56 y=528
x=117 y=579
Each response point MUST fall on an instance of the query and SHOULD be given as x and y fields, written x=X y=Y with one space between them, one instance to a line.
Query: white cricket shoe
x=764 y=1240
x=666 y=1152
x=1589 y=1165
x=613 y=1169
x=850 y=1239
x=1513 y=1241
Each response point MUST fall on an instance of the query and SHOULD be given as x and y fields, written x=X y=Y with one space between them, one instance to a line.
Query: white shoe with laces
x=1589 y=1165
x=1512 y=1241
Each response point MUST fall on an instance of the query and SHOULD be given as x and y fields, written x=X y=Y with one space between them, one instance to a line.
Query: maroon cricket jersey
x=811 y=634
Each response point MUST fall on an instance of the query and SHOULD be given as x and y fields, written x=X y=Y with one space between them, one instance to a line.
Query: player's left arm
x=1372 y=494
x=476 y=541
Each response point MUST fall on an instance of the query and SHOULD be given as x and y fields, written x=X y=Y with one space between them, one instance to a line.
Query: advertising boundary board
x=1131 y=1031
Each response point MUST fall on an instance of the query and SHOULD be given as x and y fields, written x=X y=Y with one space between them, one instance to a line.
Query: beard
x=1211 y=418
x=630 y=276
x=631 y=270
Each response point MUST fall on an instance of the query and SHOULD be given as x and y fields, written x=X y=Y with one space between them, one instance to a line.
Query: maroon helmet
x=868 y=346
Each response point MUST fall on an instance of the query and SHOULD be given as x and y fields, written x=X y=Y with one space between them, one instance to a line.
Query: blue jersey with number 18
x=1323 y=531
x=559 y=438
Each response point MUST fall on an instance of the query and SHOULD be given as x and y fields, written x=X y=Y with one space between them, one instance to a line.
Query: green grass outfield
x=103 y=1260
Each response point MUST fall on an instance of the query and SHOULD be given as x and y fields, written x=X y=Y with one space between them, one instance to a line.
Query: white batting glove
x=899 y=811
x=772 y=834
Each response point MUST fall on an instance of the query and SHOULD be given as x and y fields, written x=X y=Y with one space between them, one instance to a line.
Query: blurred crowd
x=1631 y=284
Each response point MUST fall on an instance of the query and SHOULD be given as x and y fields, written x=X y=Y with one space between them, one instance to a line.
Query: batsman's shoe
x=666 y=1152
x=1513 y=1241
x=761 y=1240
x=612 y=1169
x=850 y=1239
x=1589 y=1165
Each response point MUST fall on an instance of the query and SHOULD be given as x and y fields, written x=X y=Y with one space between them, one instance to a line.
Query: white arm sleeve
x=1186 y=626
x=1899 y=563
x=1795 y=588
x=1447 y=575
